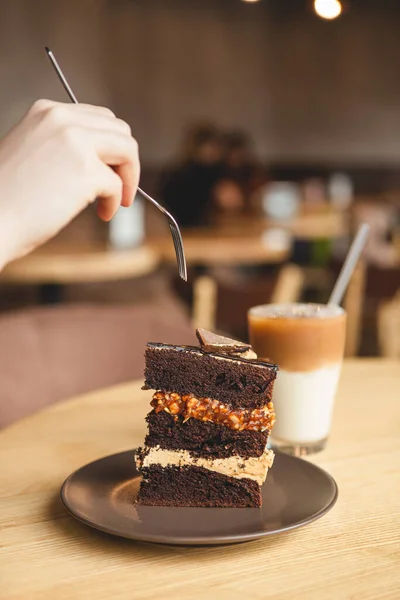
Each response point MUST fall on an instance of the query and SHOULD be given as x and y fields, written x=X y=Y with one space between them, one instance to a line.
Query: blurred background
x=270 y=128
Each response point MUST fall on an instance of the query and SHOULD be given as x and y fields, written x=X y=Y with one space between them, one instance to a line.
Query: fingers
x=87 y=129
x=114 y=148
x=116 y=187
x=129 y=175
x=83 y=115
x=96 y=117
x=91 y=108
x=41 y=106
x=121 y=152
x=44 y=105
x=96 y=121
x=109 y=192
x=61 y=115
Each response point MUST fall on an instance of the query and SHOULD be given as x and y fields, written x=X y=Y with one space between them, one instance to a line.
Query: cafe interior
x=270 y=139
x=270 y=130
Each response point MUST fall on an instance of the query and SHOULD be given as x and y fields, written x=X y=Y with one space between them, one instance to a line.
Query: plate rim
x=199 y=540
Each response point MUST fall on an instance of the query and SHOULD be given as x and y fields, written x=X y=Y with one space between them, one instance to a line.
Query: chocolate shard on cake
x=211 y=342
x=208 y=429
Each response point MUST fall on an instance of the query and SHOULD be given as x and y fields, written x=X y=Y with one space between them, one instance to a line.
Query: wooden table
x=352 y=553
x=242 y=240
x=70 y=263
x=308 y=225
x=330 y=225
x=233 y=242
x=213 y=248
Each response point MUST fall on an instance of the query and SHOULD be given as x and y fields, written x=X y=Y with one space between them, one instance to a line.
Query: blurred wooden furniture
x=288 y=288
x=48 y=354
x=205 y=298
x=389 y=327
x=210 y=247
x=353 y=550
x=67 y=263
x=241 y=240
x=289 y=285
x=328 y=225
x=353 y=304
x=381 y=286
x=381 y=251
x=308 y=225
x=234 y=242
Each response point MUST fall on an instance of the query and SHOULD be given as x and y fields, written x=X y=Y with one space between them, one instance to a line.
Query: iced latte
x=307 y=342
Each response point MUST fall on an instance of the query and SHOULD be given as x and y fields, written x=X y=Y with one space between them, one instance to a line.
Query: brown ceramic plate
x=102 y=494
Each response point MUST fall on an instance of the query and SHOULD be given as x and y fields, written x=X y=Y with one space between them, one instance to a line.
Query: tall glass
x=307 y=342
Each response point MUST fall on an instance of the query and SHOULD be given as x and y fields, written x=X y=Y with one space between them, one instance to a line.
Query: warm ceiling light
x=327 y=9
x=250 y=0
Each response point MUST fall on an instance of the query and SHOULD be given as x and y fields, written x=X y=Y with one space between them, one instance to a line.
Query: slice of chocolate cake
x=208 y=430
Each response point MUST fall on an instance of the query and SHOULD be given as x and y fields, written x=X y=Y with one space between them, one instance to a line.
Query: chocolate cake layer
x=206 y=440
x=195 y=486
x=238 y=382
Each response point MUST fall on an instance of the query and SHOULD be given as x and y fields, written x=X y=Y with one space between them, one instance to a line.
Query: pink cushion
x=49 y=354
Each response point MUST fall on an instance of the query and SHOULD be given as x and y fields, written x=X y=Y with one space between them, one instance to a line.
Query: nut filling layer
x=207 y=409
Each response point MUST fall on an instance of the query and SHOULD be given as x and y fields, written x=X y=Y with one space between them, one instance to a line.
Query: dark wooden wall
x=308 y=91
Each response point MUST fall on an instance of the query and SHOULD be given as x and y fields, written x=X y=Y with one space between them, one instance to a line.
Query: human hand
x=54 y=163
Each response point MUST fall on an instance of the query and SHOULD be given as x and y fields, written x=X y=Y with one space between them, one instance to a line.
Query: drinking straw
x=349 y=265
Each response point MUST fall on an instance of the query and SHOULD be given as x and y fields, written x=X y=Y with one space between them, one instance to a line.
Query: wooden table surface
x=307 y=225
x=250 y=239
x=69 y=263
x=233 y=242
x=212 y=248
x=86 y=263
x=352 y=553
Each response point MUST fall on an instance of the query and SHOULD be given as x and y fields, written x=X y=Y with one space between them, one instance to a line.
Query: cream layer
x=234 y=466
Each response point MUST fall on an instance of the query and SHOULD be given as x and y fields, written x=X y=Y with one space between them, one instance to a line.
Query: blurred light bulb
x=250 y=0
x=327 y=9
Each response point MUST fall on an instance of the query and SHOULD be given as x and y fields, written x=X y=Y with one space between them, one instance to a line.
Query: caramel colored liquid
x=298 y=343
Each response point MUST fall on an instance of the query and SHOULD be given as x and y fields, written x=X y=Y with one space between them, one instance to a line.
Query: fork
x=173 y=225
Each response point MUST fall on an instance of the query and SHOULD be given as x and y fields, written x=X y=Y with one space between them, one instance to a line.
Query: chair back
x=53 y=353
x=389 y=327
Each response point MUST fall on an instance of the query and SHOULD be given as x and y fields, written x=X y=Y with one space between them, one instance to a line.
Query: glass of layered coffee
x=307 y=342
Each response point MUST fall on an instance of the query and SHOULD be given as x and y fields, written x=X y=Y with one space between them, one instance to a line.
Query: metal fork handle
x=159 y=206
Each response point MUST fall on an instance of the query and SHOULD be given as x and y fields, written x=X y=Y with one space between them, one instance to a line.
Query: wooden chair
x=205 y=294
x=389 y=327
x=289 y=285
x=288 y=288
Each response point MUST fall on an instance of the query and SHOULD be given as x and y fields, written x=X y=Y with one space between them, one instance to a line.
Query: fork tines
x=180 y=255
